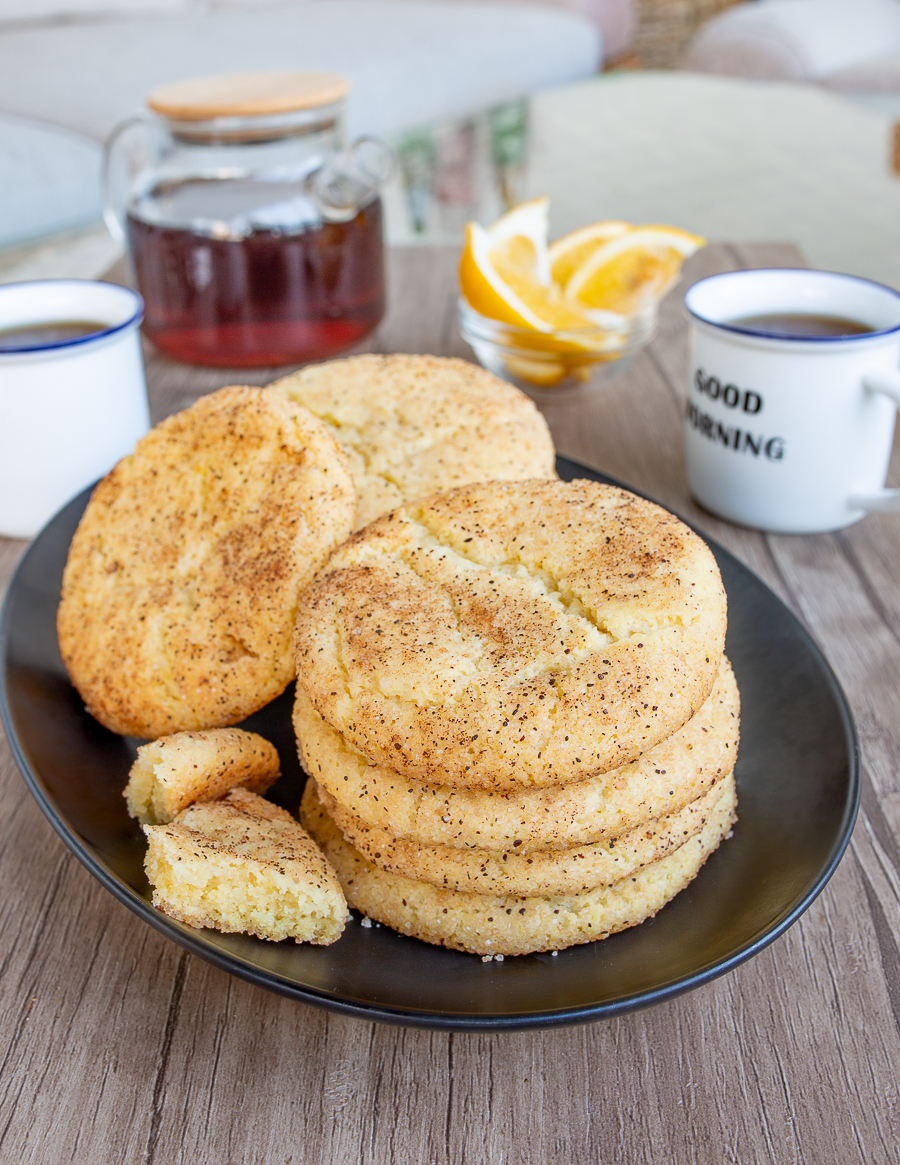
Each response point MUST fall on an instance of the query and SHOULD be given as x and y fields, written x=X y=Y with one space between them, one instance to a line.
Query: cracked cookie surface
x=183 y=577
x=662 y=781
x=513 y=634
x=418 y=425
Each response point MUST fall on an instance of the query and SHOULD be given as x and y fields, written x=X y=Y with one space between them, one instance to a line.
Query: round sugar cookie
x=183 y=578
x=418 y=425
x=559 y=871
x=513 y=634
x=512 y=925
x=662 y=781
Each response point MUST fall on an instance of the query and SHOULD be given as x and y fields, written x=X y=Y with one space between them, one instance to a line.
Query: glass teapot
x=255 y=236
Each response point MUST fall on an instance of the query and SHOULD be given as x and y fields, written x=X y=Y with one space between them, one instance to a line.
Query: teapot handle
x=350 y=179
x=115 y=193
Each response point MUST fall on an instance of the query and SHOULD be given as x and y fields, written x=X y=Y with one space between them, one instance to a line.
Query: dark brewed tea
x=46 y=335
x=229 y=282
x=802 y=326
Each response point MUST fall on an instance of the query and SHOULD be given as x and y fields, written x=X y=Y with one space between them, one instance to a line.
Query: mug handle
x=883 y=501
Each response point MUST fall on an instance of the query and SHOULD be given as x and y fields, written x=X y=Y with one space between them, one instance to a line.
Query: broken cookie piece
x=175 y=771
x=244 y=865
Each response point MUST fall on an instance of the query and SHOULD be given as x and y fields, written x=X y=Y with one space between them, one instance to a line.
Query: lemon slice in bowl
x=629 y=271
x=567 y=254
x=542 y=373
x=519 y=237
x=504 y=273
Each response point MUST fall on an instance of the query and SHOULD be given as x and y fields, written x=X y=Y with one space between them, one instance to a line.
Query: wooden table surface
x=117 y=1046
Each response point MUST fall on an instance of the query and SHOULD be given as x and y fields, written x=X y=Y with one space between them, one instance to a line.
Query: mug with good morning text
x=72 y=395
x=793 y=392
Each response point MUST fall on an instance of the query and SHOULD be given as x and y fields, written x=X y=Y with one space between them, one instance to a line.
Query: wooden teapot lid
x=246 y=95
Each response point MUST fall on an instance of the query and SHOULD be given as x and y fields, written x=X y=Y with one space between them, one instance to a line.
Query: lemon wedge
x=629 y=271
x=519 y=237
x=504 y=272
x=567 y=254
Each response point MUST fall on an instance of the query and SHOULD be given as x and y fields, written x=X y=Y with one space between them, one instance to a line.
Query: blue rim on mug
x=20 y=350
x=799 y=274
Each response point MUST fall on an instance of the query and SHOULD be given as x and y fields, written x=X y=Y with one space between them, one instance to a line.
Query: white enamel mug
x=68 y=410
x=784 y=434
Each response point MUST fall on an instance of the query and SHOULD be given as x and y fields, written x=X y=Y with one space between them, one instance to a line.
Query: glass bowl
x=548 y=365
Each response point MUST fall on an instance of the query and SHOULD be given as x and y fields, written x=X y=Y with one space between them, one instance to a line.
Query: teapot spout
x=351 y=179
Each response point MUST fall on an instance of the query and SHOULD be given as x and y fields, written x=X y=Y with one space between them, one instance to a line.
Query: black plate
x=798 y=787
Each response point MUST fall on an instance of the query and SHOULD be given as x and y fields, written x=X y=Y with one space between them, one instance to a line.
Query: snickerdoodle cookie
x=513 y=634
x=417 y=425
x=182 y=582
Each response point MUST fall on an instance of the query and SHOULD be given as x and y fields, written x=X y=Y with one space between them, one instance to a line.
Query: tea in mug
x=805 y=326
x=47 y=335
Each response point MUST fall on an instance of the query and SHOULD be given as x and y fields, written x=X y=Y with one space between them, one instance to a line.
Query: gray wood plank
x=116 y=1046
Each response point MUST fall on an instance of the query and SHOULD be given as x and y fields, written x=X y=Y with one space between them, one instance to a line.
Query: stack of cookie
x=181 y=589
x=514 y=706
